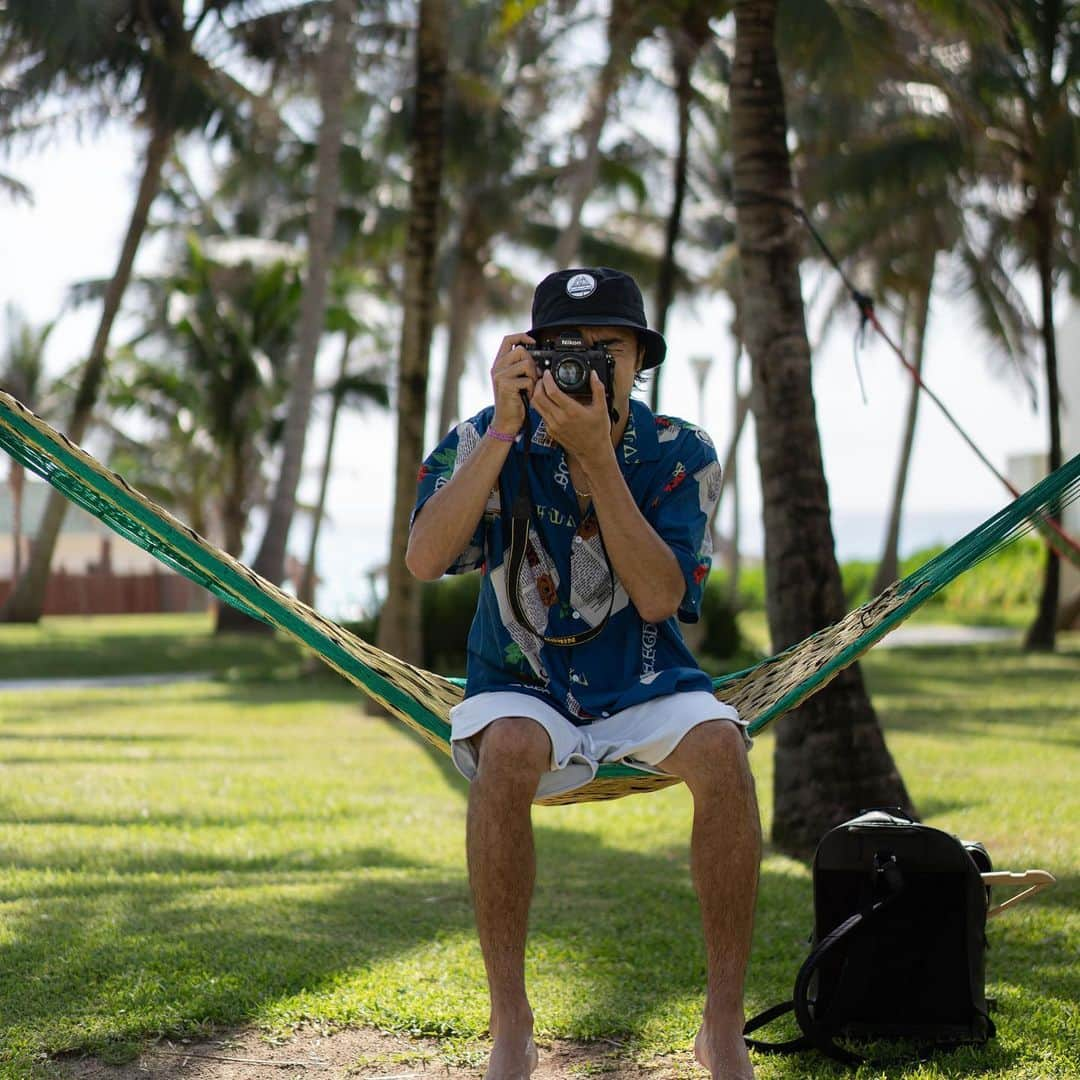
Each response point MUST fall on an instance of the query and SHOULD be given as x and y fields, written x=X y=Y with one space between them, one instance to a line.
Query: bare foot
x=723 y=1054
x=513 y=1055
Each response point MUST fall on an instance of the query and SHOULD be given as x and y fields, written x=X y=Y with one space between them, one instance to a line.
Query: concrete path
x=946 y=634
x=99 y=682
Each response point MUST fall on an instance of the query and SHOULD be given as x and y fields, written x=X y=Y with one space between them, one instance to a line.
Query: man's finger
x=554 y=391
x=514 y=341
x=542 y=402
x=597 y=388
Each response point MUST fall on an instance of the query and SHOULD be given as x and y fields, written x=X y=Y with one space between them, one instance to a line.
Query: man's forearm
x=448 y=519
x=641 y=559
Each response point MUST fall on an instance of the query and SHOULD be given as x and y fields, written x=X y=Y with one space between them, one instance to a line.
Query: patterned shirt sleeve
x=437 y=470
x=680 y=510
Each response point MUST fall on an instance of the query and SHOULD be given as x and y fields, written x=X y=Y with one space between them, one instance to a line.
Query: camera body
x=571 y=362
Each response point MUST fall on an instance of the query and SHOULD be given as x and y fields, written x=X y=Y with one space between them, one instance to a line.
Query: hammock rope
x=1047 y=525
x=423 y=699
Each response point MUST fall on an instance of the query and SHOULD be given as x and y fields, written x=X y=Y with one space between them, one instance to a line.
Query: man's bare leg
x=513 y=753
x=725 y=849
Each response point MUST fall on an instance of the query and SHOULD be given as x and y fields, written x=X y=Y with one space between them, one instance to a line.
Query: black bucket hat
x=595 y=296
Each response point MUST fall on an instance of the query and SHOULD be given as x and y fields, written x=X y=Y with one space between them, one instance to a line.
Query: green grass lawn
x=73 y=647
x=177 y=859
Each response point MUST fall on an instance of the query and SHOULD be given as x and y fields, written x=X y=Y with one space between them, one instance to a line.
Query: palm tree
x=628 y=23
x=831 y=757
x=335 y=76
x=210 y=374
x=499 y=180
x=399 y=625
x=887 y=195
x=888 y=180
x=147 y=59
x=688 y=33
x=22 y=374
x=359 y=387
x=11 y=186
x=1014 y=82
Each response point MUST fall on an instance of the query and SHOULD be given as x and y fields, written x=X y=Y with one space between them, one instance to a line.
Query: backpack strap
x=816 y=1034
x=791 y=1046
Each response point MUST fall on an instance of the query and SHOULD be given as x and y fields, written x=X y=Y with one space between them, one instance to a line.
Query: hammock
x=423 y=699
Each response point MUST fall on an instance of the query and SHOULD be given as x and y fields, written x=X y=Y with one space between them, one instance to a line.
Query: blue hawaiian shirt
x=671 y=470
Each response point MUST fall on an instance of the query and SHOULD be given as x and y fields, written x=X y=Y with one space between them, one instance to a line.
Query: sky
x=83 y=192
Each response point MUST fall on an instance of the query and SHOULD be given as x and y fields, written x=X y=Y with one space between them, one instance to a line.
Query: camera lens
x=571 y=375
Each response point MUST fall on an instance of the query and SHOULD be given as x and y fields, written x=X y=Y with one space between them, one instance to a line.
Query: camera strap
x=521 y=514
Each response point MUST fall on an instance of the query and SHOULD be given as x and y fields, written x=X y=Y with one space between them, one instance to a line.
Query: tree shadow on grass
x=615 y=944
x=935 y=806
x=1045 y=724
x=169 y=941
x=921 y=671
x=128 y=951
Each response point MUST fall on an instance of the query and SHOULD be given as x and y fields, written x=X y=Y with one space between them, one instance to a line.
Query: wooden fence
x=118 y=594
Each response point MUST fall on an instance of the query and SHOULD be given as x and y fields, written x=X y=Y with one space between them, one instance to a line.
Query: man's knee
x=709 y=751
x=514 y=744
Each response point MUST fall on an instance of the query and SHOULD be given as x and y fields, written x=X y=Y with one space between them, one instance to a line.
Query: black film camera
x=570 y=362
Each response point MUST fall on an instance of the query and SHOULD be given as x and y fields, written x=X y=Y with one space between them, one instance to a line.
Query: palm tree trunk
x=683 y=55
x=466 y=290
x=399 y=624
x=17 y=483
x=889 y=566
x=306 y=592
x=234 y=514
x=729 y=476
x=623 y=34
x=28 y=597
x=731 y=471
x=1042 y=633
x=831 y=759
x=335 y=75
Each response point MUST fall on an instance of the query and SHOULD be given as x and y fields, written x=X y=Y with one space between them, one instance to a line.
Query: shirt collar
x=639 y=442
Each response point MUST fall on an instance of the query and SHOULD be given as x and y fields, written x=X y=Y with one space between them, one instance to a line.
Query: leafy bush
x=857 y=578
x=1001 y=589
x=447 y=607
x=721 y=638
x=751 y=585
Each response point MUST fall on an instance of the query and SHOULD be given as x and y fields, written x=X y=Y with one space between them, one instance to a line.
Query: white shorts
x=642 y=735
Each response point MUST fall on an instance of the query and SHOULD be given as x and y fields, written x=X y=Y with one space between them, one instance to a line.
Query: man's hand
x=582 y=429
x=512 y=373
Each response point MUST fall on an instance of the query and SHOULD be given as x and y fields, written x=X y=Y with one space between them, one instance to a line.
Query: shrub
x=721 y=638
x=447 y=607
x=857 y=578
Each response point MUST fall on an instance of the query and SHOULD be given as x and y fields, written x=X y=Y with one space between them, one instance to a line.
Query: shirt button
x=576 y=614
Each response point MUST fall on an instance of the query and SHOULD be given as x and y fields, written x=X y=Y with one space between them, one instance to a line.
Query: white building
x=84 y=545
x=93 y=570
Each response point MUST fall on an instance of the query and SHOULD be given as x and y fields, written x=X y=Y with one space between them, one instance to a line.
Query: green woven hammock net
x=423 y=699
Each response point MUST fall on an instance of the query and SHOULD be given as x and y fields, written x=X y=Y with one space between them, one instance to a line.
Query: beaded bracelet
x=499 y=436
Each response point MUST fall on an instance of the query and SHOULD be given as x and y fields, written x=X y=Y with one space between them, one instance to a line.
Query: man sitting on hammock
x=586 y=664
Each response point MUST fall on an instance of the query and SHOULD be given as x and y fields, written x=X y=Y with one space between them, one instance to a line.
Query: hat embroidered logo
x=580 y=286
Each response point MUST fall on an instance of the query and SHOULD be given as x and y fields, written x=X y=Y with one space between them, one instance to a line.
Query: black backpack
x=899 y=941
